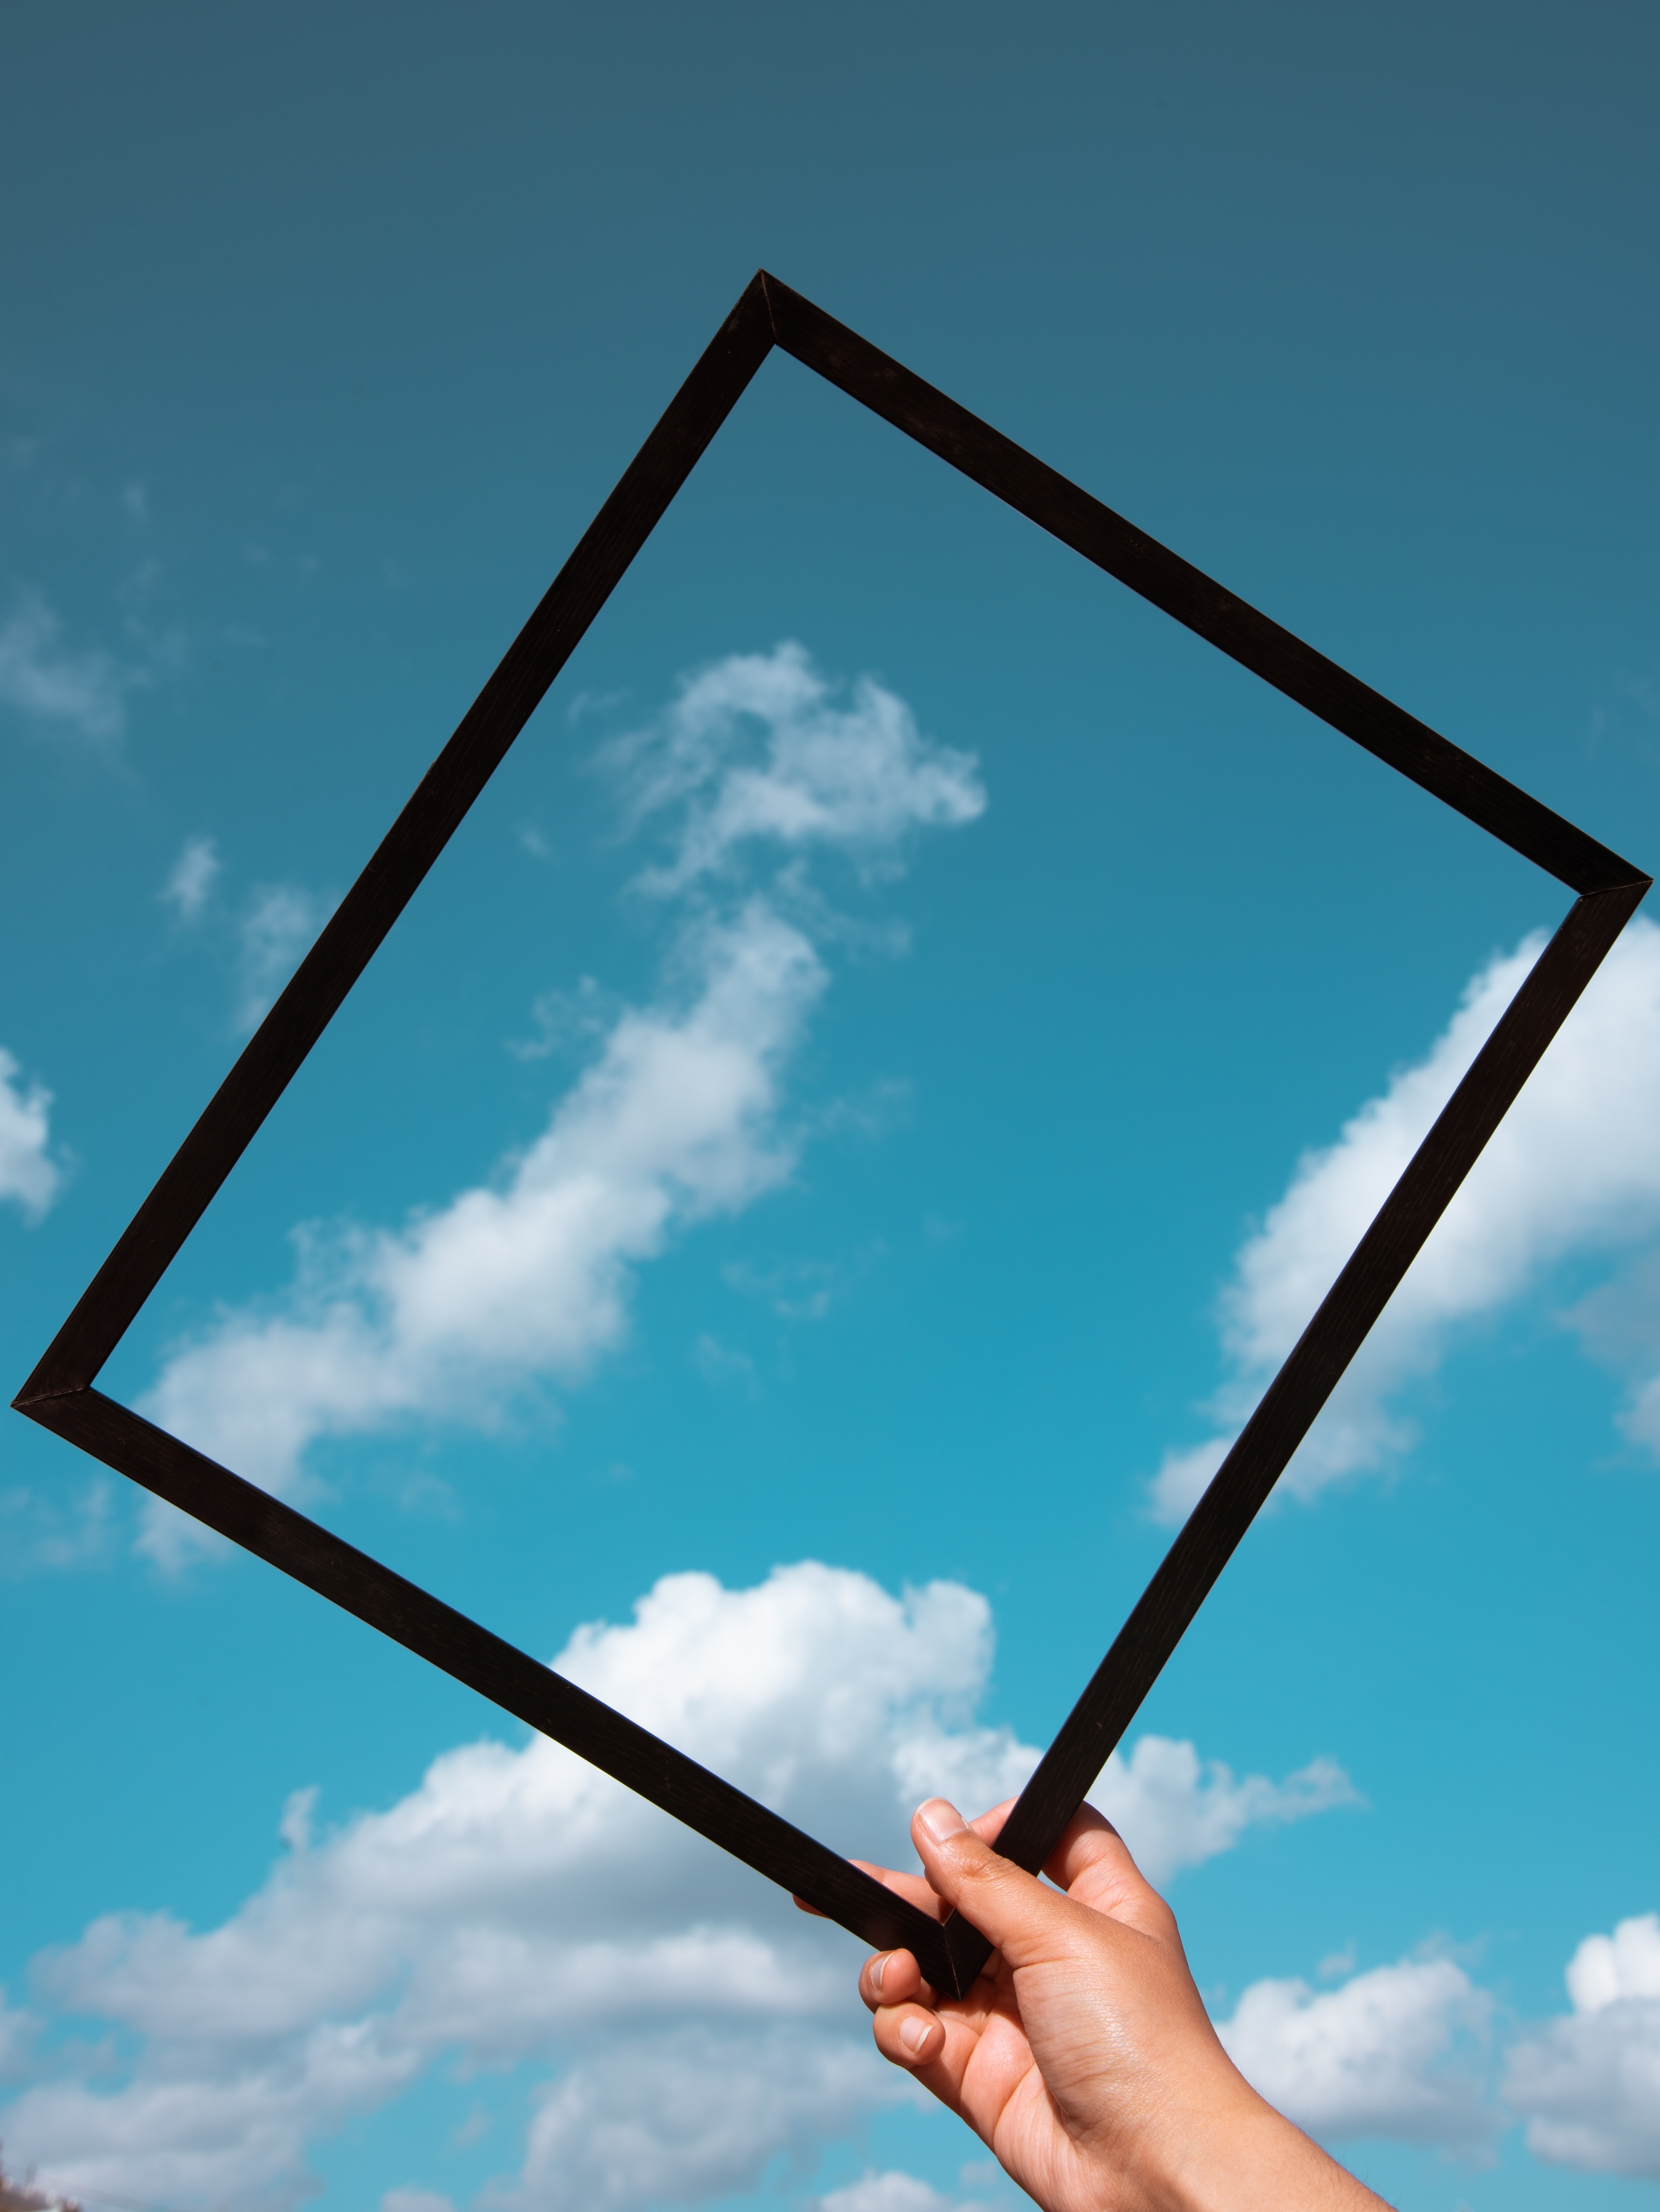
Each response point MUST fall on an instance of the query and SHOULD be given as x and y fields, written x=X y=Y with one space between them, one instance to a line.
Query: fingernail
x=915 y=2033
x=941 y=1820
x=879 y=1967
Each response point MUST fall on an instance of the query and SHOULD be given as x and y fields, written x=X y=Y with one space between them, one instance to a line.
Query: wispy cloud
x=269 y=930
x=1181 y=1811
x=1575 y=1169
x=192 y=878
x=681 y=1114
x=756 y=748
x=29 y=1176
x=54 y=1535
x=801 y=1290
x=1619 y=1325
x=518 y=1908
x=84 y=691
x=568 y=1022
x=274 y=929
x=678 y=1119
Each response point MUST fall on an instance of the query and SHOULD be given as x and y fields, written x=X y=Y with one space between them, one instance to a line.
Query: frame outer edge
x=498 y=1671
x=1294 y=1397
x=58 y=1396
x=399 y=864
x=1107 y=539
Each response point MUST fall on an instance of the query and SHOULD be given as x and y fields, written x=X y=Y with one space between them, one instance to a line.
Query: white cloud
x=525 y=1280
x=1590 y=2082
x=718 y=1362
x=885 y=2192
x=1607 y=1968
x=294 y=1827
x=1180 y=1812
x=516 y=1906
x=717 y=2108
x=1387 y=2054
x=566 y=1021
x=82 y=691
x=189 y=2139
x=678 y=1119
x=753 y=748
x=1641 y=1419
x=1619 y=1324
x=29 y=1176
x=275 y=926
x=18 y=2030
x=192 y=878
x=888 y=2192
x=1184 y=1477
x=270 y=930
x=1575 y=1168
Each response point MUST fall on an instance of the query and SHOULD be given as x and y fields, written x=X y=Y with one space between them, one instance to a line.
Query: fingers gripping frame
x=60 y=1395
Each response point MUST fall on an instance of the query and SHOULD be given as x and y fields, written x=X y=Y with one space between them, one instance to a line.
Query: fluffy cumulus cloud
x=29 y=1176
x=1588 y=2083
x=1574 y=1168
x=517 y=1908
x=756 y=750
x=722 y=2106
x=682 y=1114
x=1403 y=2050
x=1393 y=2051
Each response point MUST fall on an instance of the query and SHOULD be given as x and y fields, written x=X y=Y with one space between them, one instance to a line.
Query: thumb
x=1015 y=1911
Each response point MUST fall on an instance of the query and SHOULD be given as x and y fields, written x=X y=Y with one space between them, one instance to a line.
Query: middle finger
x=892 y=1977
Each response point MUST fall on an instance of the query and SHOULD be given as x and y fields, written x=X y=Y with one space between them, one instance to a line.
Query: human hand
x=1083 y=2056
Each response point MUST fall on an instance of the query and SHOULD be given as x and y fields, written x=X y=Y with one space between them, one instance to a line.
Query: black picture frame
x=60 y=1393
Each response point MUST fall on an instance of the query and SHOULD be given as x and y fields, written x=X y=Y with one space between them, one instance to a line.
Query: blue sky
x=844 y=1127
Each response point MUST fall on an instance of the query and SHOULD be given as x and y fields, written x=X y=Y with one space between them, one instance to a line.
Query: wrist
x=1239 y=2154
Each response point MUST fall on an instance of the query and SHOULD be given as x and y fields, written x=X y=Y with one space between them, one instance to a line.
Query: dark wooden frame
x=60 y=1393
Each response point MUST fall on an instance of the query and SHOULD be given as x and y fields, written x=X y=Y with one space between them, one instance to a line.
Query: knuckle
x=977 y=1863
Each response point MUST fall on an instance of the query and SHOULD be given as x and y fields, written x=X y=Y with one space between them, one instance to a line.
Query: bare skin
x=1083 y=2056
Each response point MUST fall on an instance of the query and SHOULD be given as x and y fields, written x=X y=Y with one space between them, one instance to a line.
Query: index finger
x=916 y=1888
x=913 y=1887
